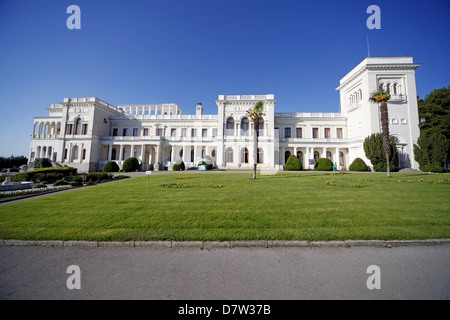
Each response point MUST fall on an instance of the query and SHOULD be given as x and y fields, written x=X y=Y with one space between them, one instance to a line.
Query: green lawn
x=232 y=206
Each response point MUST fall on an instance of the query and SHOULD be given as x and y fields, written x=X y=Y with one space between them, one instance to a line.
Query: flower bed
x=25 y=192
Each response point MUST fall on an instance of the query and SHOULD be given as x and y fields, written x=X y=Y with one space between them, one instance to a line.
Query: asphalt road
x=230 y=274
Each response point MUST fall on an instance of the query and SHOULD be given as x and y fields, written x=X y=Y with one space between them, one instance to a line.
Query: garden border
x=229 y=244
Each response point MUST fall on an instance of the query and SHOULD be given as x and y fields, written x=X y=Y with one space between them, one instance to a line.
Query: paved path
x=239 y=273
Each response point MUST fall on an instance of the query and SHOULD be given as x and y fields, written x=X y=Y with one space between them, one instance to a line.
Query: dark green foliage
x=12 y=161
x=358 y=165
x=435 y=110
x=431 y=151
x=42 y=174
x=39 y=186
x=293 y=164
x=179 y=166
x=42 y=163
x=130 y=165
x=373 y=148
x=111 y=166
x=94 y=176
x=60 y=183
x=324 y=164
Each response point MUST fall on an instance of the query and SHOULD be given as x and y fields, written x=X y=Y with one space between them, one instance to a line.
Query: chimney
x=199 y=109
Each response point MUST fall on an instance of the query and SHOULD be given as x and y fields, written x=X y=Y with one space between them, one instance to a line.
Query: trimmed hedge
x=130 y=165
x=179 y=166
x=44 y=174
x=293 y=164
x=358 y=165
x=96 y=176
x=111 y=166
x=324 y=164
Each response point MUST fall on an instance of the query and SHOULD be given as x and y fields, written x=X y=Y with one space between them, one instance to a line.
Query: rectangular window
x=327 y=134
x=85 y=127
x=135 y=132
x=183 y=132
x=146 y=132
x=115 y=132
x=287 y=132
x=65 y=154
x=315 y=132
x=339 y=133
x=84 y=154
x=299 y=133
x=214 y=132
x=159 y=132
x=193 y=133
x=204 y=133
x=69 y=128
x=173 y=132
x=124 y=132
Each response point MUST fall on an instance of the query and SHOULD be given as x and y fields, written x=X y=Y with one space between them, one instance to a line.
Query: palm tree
x=382 y=98
x=256 y=115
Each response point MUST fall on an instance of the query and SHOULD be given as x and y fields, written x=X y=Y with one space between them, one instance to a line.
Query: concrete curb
x=229 y=244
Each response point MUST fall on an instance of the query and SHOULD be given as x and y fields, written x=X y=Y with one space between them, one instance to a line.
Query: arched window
x=192 y=155
x=260 y=158
x=229 y=155
x=287 y=154
x=244 y=155
x=388 y=87
x=213 y=153
x=360 y=94
x=181 y=154
x=113 y=154
x=230 y=127
x=394 y=88
x=341 y=159
x=75 y=153
x=316 y=156
x=381 y=86
x=300 y=157
x=245 y=126
x=329 y=155
x=78 y=126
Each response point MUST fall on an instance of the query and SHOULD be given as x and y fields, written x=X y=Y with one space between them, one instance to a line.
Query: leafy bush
x=374 y=150
x=358 y=165
x=179 y=166
x=60 y=183
x=121 y=177
x=51 y=176
x=431 y=151
x=94 y=176
x=39 y=186
x=324 y=164
x=42 y=163
x=130 y=165
x=293 y=164
x=111 y=166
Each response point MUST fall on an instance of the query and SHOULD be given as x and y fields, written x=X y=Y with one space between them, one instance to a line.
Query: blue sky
x=184 y=52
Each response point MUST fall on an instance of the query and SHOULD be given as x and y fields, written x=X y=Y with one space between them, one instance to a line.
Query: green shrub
x=358 y=165
x=39 y=186
x=293 y=164
x=432 y=168
x=324 y=164
x=94 y=176
x=121 y=177
x=374 y=150
x=51 y=176
x=431 y=151
x=60 y=183
x=64 y=171
x=42 y=163
x=20 y=177
x=130 y=165
x=111 y=166
x=179 y=166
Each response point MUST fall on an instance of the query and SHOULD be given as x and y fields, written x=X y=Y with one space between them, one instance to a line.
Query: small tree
x=130 y=165
x=382 y=98
x=256 y=115
x=431 y=151
x=293 y=164
x=374 y=150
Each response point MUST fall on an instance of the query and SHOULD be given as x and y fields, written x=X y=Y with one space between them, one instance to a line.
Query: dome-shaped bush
x=179 y=166
x=111 y=166
x=293 y=164
x=324 y=164
x=130 y=165
x=358 y=165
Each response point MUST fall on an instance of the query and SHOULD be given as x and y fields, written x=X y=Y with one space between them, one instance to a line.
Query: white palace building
x=86 y=133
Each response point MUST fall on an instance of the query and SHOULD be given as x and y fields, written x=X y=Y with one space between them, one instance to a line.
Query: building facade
x=86 y=133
